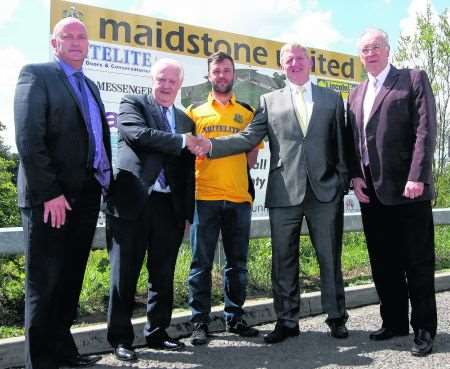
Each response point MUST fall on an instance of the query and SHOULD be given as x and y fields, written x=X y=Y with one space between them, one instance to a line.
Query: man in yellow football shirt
x=224 y=192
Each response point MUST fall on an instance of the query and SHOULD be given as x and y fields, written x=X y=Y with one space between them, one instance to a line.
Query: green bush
x=12 y=294
x=259 y=266
x=95 y=292
x=443 y=189
x=9 y=212
x=442 y=241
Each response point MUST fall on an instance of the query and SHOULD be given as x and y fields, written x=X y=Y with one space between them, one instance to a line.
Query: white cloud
x=238 y=16
x=9 y=8
x=313 y=28
x=408 y=24
x=252 y=17
x=46 y=4
x=11 y=61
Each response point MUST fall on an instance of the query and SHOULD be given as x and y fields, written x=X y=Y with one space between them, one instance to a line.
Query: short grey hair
x=288 y=47
x=163 y=62
x=373 y=30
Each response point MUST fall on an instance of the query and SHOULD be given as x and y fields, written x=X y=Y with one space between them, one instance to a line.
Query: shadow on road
x=312 y=349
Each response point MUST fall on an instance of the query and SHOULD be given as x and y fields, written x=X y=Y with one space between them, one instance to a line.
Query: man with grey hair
x=151 y=198
x=63 y=142
x=392 y=124
x=307 y=178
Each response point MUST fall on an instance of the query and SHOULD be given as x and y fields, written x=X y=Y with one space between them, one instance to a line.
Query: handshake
x=198 y=145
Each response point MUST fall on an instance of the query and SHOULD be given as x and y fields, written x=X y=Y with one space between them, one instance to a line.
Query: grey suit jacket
x=318 y=157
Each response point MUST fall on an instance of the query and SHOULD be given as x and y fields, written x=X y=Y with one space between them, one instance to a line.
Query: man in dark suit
x=150 y=201
x=307 y=178
x=392 y=118
x=64 y=148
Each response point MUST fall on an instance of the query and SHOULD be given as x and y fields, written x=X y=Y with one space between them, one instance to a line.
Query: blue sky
x=328 y=24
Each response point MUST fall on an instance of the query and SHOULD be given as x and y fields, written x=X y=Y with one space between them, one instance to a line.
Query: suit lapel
x=316 y=94
x=288 y=96
x=179 y=126
x=155 y=112
x=358 y=102
x=65 y=81
x=390 y=80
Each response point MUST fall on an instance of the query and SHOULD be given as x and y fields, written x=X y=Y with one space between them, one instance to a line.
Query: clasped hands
x=198 y=145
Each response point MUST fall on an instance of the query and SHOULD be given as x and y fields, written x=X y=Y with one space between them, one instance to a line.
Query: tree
x=4 y=149
x=429 y=49
x=9 y=213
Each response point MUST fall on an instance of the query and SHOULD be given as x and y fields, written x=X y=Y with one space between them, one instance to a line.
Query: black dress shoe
x=385 y=334
x=125 y=353
x=164 y=342
x=80 y=360
x=280 y=333
x=423 y=343
x=338 y=328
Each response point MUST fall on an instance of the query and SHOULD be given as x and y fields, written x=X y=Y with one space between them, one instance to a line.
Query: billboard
x=124 y=46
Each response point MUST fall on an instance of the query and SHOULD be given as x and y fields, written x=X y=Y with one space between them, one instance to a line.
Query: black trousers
x=400 y=241
x=55 y=264
x=325 y=224
x=157 y=232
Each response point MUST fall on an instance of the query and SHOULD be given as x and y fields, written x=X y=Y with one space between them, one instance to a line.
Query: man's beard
x=223 y=90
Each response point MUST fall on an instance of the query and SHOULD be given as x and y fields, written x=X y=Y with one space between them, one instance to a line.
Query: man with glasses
x=392 y=125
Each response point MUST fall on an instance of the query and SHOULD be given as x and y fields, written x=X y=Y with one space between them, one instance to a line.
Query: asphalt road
x=314 y=348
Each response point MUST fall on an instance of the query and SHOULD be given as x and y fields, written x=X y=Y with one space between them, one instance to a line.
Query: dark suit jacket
x=319 y=156
x=401 y=134
x=51 y=135
x=144 y=148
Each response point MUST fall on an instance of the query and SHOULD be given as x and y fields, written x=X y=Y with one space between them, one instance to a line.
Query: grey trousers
x=325 y=224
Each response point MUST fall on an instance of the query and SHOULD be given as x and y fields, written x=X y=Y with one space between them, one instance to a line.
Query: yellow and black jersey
x=223 y=178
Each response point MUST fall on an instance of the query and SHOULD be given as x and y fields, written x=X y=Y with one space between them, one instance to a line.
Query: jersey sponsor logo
x=238 y=118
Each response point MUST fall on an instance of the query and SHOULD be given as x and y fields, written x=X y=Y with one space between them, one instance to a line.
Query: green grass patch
x=95 y=293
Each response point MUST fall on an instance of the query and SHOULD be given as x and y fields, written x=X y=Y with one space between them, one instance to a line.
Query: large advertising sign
x=124 y=46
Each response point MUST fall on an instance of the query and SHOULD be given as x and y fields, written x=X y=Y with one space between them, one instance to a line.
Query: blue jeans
x=233 y=220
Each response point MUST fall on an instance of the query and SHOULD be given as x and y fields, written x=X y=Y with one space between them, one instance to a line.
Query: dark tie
x=79 y=77
x=102 y=170
x=165 y=127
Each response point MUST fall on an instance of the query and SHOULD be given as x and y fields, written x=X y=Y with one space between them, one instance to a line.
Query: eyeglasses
x=374 y=49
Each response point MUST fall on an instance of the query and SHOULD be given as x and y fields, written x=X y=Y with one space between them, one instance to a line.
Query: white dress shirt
x=373 y=88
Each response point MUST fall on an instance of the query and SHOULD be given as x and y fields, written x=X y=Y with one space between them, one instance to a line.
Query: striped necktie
x=165 y=127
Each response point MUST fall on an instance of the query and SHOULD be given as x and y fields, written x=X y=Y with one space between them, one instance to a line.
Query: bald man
x=64 y=148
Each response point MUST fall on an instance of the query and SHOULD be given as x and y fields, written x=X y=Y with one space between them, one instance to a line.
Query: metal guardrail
x=12 y=242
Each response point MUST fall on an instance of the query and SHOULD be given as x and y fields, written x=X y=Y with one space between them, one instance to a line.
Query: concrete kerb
x=92 y=338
